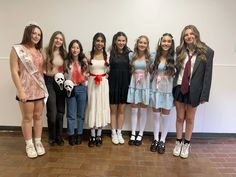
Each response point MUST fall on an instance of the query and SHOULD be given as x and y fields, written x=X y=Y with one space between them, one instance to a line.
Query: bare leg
x=180 y=110
x=120 y=116
x=113 y=115
x=38 y=122
x=27 y=117
x=190 y=116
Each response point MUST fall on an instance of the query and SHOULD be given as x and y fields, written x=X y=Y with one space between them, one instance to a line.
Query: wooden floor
x=210 y=157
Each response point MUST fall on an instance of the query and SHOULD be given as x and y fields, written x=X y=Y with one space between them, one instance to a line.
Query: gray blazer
x=200 y=83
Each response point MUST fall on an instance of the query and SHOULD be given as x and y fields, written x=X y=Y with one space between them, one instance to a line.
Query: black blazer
x=200 y=83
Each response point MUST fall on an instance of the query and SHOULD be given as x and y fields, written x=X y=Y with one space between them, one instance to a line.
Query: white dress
x=98 y=108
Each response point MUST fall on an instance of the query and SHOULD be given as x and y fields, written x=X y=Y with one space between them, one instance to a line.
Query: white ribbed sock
x=37 y=140
x=118 y=131
x=113 y=131
x=29 y=141
x=99 y=132
x=93 y=134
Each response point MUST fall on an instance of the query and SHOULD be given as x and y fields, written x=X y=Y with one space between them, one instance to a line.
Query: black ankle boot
x=71 y=140
x=60 y=141
x=78 y=139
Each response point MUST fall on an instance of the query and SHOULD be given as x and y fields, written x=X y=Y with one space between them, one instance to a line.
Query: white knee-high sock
x=93 y=133
x=99 y=132
x=134 y=118
x=156 y=128
x=165 y=126
x=143 y=119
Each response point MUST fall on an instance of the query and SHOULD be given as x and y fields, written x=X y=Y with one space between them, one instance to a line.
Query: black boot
x=71 y=140
x=60 y=141
x=78 y=139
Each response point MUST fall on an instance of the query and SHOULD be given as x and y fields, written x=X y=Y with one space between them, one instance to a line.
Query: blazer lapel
x=196 y=64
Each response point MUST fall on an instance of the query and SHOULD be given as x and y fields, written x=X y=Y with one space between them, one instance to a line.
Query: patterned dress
x=161 y=89
x=139 y=88
x=32 y=89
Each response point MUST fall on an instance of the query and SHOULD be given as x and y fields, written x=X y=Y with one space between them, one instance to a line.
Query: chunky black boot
x=60 y=141
x=71 y=140
x=78 y=139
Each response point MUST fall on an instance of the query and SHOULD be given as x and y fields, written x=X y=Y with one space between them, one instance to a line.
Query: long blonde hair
x=200 y=47
x=136 y=54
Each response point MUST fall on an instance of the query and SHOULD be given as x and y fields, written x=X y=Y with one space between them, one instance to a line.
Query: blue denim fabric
x=76 y=106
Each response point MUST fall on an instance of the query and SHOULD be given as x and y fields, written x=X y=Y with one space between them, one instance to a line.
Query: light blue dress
x=139 y=88
x=161 y=89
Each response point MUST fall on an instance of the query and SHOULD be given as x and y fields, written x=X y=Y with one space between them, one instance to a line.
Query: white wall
x=81 y=19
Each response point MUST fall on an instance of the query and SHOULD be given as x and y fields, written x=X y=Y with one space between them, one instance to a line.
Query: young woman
x=26 y=64
x=139 y=88
x=76 y=103
x=191 y=84
x=55 y=63
x=119 y=79
x=161 y=90
x=98 y=108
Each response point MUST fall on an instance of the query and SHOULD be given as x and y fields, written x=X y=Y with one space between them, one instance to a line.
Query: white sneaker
x=177 y=149
x=30 y=151
x=185 y=150
x=114 y=139
x=120 y=138
x=39 y=148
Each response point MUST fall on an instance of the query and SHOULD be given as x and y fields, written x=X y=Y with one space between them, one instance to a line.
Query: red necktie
x=186 y=77
x=75 y=74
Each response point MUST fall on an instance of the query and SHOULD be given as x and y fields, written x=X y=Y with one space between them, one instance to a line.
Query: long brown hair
x=51 y=48
x=169 y=69
x=136 y=54
x=200 y=47
x=27 y=36
x=92 y=52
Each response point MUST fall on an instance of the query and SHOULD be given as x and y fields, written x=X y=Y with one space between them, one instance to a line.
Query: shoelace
x=30 y=149
x=178 y=146
x=185 y=148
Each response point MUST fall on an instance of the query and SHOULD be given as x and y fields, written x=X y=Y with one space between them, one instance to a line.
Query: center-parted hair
x=136 y=54
x=51 y=48
x=200 y=47
x=81 y=55
x=114 y=50
x=92 y=53
x=170 y=67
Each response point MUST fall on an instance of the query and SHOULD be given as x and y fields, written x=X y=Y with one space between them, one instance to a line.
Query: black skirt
x=180 y=97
